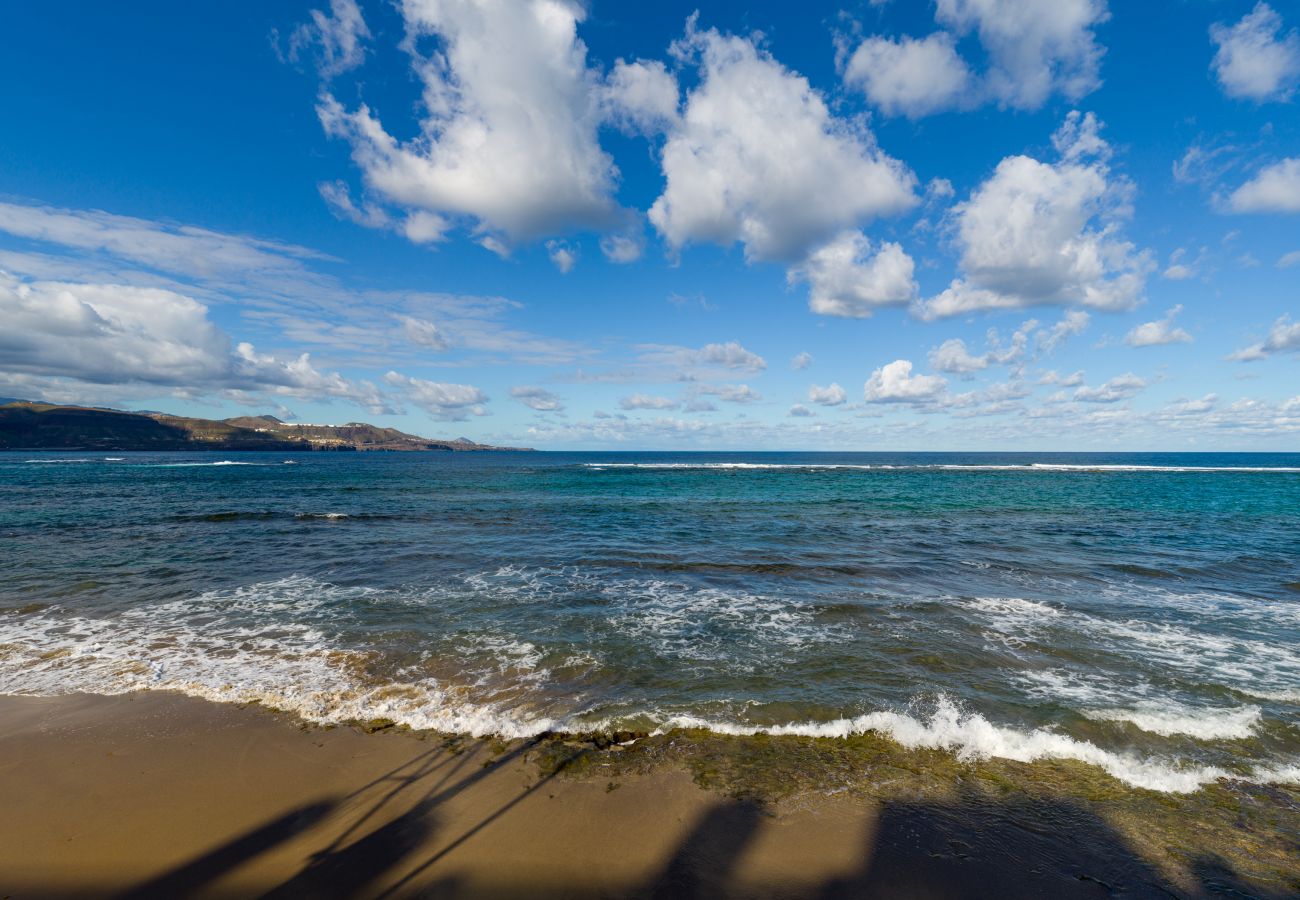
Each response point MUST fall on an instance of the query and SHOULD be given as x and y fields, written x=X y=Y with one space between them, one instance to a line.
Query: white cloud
x=1073 y=323
x=953 y=357
x=846 y=278
x=1283 y=337
x=799 y=411
x=423 y=333
x=112 y=334
x=337 y=38
x=620 y=248
x=537 y=398
x=737 y=393
x=1040 y=233
x=831 y=395
x=646 y=401
x=729 y=356
x=1053 y=377
x=895 y=383
x=1255 y=60
x=759 y=159
x=562 y=255
x=165 y=247
x=1289 y=259
x=1160 y=332
x=910 y=77
x=444 y=401
x=801 y=361
x=1035 y=47
x=641 y=96
x=1121 y=387
x=511 y=113
x=1275 y=189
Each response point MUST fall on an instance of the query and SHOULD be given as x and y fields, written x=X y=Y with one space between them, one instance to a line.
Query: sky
x=949 y=225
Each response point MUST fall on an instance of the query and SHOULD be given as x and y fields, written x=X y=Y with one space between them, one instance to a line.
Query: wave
x=1008 y=467
x=56 y=461
x=195 y=465
x=1169 y=719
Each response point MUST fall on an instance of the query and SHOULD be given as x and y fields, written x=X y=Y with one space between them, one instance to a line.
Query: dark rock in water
x=624 y=737
x=375 y=725
x=602 y=741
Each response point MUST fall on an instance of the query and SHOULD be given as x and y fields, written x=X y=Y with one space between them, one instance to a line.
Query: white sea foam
x=1168 y=719
x=55 y=461
x=114 y=458
x=971 y=736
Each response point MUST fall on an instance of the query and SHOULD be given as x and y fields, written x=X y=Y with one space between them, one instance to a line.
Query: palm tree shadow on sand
x=972 y=848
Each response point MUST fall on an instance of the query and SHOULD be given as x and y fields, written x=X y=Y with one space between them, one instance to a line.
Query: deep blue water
x=1137 y=611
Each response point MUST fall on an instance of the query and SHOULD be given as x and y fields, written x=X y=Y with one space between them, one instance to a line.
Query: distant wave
x=1009 y=467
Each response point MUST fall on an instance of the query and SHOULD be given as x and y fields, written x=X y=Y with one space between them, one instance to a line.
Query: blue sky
x=969 y=224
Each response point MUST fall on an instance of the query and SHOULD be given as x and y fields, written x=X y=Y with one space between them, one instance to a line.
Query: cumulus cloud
x=846 y=278
x=1034 y=48
x=799 y=411
x=1073 y=323
x=1121 y=387
x=509 y=134
x=1160 y=332
x=1276 y=189
x=895 y=383
x=646 y=401
x=1255 y=60
x=1283 y=337
x=112 y=334
x=736 y=393
x=537 y=398
x=442 y=400
x=1040 y=233
x=337 y=38
x=953 y=357
x=641 y=97
x=831 y=395
x=801 y=361
x=758 y=158
x=910 y=77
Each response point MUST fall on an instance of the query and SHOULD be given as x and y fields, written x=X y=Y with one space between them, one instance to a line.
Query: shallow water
x=1140 y=612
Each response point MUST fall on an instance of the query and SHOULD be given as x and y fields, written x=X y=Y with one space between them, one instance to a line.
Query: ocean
x=1136 y=612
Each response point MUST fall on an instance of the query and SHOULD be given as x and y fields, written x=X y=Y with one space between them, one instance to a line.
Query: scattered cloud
x=562 y=255
x=911 y=77
x=1121 y=387
x=799 y=411
x=895 y=383
x=336 y=38
x=646 y=401
x=1283 y=337
x=801 y=361
x=831 y=395
x=1255 y=60
x=1275 y=189
x=1288 y=260
x=444 y=401
x=537 y=398
x=1160 y=332
x=846 y=278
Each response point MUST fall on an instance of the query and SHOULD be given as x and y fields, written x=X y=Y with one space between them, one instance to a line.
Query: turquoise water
x=1137 y=612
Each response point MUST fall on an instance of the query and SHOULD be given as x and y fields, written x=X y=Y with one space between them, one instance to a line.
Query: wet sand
x=156 y=795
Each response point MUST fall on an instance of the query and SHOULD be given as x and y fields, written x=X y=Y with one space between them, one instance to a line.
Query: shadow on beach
x=387 y=839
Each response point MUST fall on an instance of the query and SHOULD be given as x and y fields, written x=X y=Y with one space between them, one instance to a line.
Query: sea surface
x=1138 y=612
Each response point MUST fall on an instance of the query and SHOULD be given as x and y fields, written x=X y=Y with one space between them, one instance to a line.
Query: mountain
x=32 y=426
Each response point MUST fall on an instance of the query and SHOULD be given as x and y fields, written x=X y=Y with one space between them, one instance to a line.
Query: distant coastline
x=33 y=425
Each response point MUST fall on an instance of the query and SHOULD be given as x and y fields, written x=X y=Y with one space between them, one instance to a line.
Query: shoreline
x=159 y=794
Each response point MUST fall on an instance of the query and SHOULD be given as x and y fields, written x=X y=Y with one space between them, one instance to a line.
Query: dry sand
x=155 y=795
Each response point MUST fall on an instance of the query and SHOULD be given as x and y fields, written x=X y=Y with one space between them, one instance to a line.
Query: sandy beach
x=158 y=795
